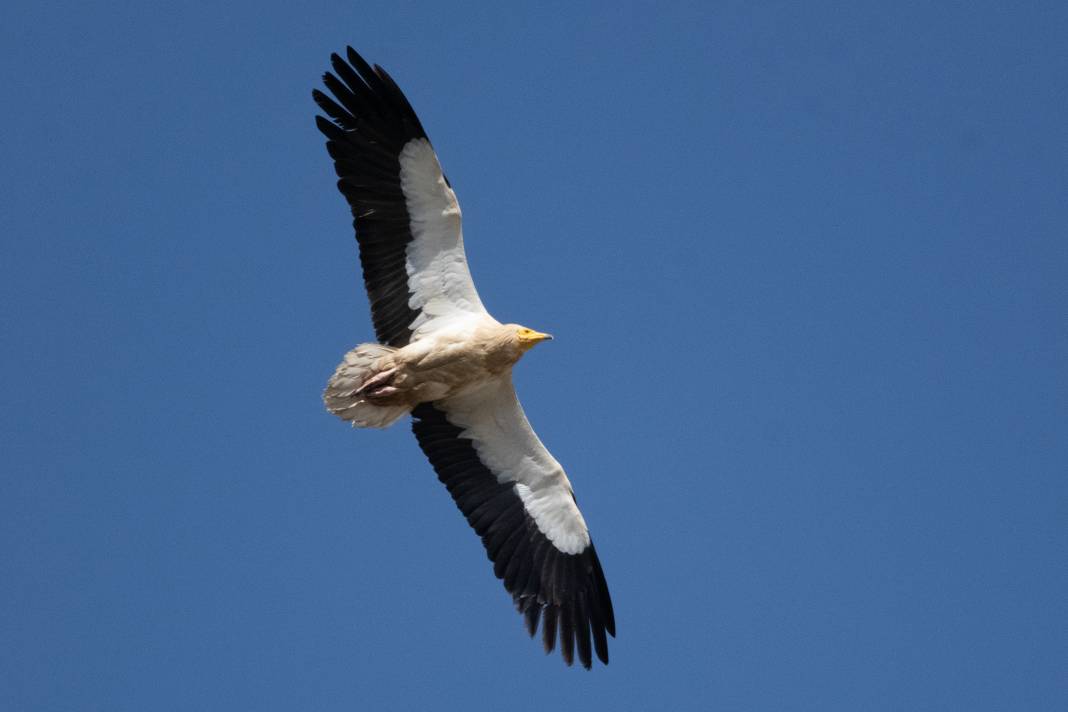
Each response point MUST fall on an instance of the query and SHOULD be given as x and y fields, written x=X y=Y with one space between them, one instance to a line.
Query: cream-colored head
x=528 y=337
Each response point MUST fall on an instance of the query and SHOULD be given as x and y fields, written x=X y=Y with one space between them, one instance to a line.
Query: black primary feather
x=371 y=123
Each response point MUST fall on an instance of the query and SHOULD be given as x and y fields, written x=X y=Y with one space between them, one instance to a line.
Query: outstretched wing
x=407 y=219
x=518 y=499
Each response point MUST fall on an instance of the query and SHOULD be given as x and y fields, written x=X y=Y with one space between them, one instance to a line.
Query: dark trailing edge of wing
x=567 y=592
x=372 y=122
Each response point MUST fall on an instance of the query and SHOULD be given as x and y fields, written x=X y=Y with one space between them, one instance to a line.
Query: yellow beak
x=528 y=338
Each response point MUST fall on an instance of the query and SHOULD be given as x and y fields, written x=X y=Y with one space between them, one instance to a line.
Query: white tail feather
x=340 y=395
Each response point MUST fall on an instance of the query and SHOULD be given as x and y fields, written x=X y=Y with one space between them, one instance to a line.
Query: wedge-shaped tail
x=345 y=395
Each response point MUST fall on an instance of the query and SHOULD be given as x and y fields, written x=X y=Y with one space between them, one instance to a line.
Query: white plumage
x=497 y=426
x=445 y=360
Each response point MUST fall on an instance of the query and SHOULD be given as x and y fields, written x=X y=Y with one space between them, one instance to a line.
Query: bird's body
x=445 y=363
x=443 y=359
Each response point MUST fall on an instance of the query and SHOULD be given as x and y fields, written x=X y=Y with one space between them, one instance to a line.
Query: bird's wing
x=518 y=499
x=407 y=219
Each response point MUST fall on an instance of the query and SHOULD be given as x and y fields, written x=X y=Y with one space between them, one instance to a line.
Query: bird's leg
x=377 y=381
x=383 y=395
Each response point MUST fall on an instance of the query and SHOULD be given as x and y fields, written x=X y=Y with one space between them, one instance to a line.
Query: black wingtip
x=548 y=629
x=600 y=646
x=567 y=635
x=531 y=616
x=582 y=632
x=362 y=67
x=321 y=100
x=328 y=128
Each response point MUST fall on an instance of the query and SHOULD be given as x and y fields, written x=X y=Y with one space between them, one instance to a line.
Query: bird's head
x=528 y=337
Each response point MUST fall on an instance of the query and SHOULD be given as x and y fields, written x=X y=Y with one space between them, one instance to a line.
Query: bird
x=441 y=358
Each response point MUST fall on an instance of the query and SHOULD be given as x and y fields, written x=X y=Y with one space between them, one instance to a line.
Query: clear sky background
x=807 y=267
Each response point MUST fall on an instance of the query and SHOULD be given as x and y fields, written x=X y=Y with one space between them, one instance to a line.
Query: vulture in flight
x=443 y=359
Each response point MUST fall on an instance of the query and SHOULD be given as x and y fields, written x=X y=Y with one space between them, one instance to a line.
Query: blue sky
x=805 y=265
